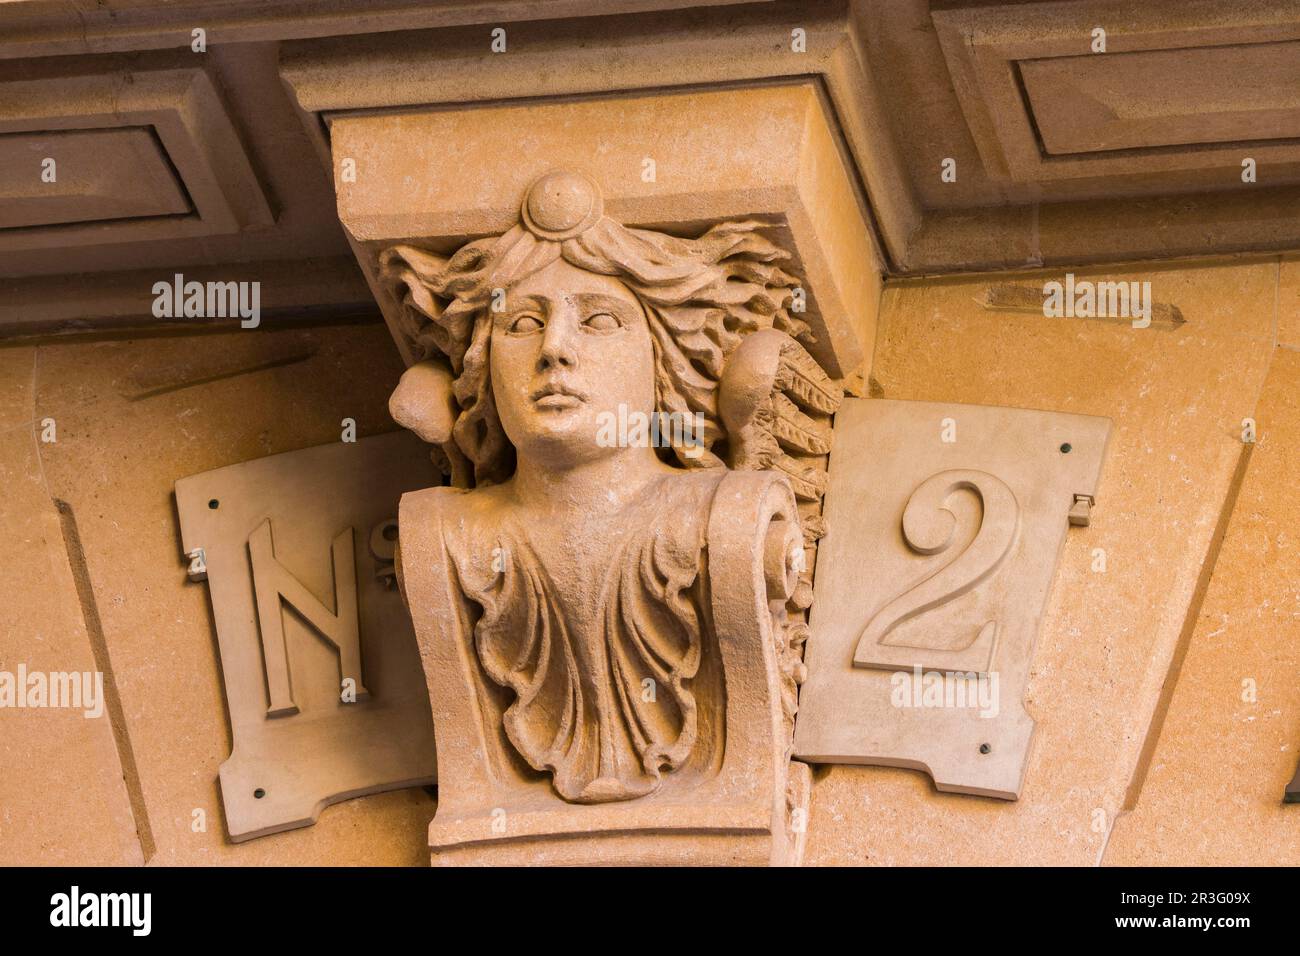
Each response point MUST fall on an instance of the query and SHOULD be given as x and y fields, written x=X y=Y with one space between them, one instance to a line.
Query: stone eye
x=602 y=322
x=525 y=324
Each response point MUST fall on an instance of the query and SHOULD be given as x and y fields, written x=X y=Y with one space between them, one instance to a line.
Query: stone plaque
x=945 y=526
x=323 y=681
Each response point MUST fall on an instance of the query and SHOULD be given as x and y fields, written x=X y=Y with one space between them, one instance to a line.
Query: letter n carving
x=273 y=583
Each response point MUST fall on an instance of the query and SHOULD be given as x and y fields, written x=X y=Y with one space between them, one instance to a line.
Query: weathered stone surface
x=1177 y=397
x=1230 y=741
x=781 y=163
x=604 y=600
x=134 y=416
x=1288 y=303
x=44 y=817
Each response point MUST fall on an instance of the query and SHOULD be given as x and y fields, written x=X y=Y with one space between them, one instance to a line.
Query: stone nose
x=558 y=344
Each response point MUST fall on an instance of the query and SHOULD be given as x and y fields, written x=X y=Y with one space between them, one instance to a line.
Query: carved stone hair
x=701 y=297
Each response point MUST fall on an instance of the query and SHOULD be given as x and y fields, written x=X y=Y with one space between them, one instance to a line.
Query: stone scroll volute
x=609 y=596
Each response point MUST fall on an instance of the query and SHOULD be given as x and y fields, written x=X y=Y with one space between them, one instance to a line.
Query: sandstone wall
x=1148 y=749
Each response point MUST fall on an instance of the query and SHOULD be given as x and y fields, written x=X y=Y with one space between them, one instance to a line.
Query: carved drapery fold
x=604 y=701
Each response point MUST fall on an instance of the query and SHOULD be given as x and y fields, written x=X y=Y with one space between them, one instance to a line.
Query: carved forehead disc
x=561 y=204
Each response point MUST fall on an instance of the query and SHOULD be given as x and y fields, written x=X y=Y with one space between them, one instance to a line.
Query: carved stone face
x=596 y=572
x=568 y=346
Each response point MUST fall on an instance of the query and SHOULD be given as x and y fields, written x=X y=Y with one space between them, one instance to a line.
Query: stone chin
x=557 y=432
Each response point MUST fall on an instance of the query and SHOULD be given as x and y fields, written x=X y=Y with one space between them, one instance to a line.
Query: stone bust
x=566 y=572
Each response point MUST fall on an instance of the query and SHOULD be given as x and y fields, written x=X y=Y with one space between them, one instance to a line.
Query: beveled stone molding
x=890 y=88
x=1165 y=99
x=946 y=523
x=1175 y=91
x=122 y=302
x=108 y=174
x=780 y=163
x=170 y=101
x=321 y=674
x=641 y=54
x=611 y=625
x=111 y=26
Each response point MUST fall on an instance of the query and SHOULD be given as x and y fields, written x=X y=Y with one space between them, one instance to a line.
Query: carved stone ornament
x=609 y=597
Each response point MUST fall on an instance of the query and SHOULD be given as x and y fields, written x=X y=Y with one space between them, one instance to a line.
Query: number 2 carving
x=929 y=528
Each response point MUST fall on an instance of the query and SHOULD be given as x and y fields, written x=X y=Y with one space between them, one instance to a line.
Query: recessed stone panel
x=93 y=175
x=194 y=179
x=1047 y=98
x=1165 y=98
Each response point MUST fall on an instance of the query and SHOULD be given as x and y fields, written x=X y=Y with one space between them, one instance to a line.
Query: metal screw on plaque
x=985 y=748
x=1081 y=511
x=1066 y=448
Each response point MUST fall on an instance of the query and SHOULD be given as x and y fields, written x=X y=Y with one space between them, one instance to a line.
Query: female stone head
x=570 y=314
